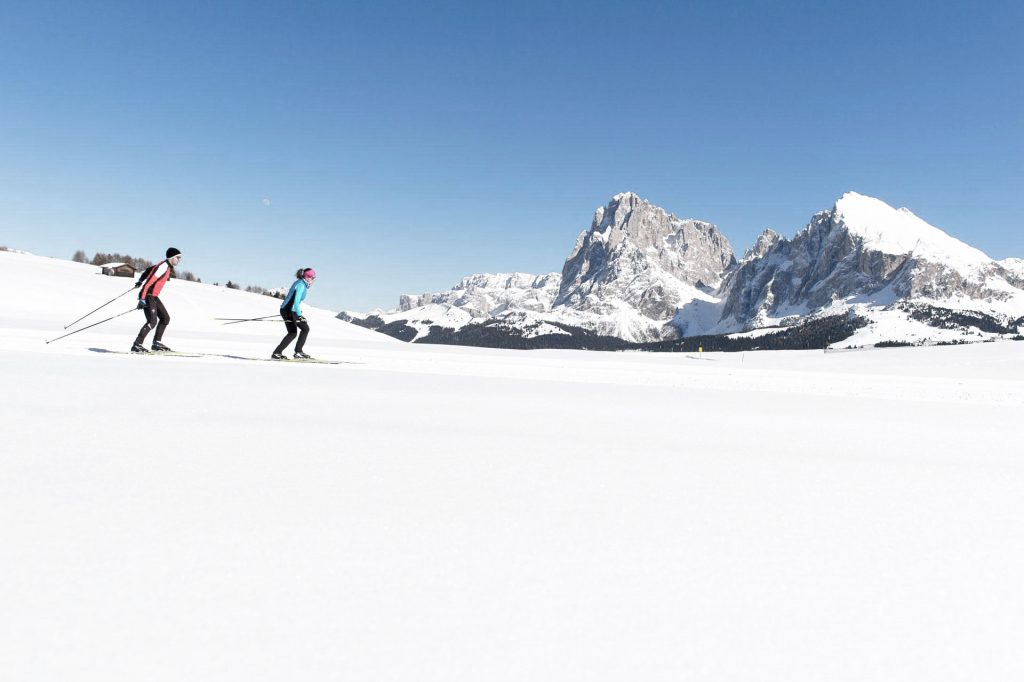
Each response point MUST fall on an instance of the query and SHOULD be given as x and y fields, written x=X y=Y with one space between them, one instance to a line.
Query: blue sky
x=398 y=146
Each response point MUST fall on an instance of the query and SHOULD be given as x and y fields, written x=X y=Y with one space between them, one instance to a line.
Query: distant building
x=117 y=270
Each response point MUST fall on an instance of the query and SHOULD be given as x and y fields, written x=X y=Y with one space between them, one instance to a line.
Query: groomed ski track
x=186 y=354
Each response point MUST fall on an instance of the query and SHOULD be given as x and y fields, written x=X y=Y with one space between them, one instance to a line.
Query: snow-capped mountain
x=474 y=299
x=626 y=276
x=861 y=252
x=487 y=295
x=641 y=274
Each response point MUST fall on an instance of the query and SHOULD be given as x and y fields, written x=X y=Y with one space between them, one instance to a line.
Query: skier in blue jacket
x=291 y=313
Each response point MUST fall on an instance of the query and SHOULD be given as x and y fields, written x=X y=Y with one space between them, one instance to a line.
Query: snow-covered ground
x=443 y=513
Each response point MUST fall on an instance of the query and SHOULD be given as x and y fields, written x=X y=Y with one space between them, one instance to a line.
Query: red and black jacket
x=154 y=278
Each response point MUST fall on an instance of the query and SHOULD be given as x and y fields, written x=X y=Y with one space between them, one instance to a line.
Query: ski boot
x=299 y=355
x=278 y=356
x=161 y=348
x=139 y=348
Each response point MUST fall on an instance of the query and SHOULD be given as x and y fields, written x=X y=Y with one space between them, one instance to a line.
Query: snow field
x=442 y=513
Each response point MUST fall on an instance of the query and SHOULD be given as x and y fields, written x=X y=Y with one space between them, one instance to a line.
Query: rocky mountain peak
x=638 y=254
x=867 y=251
x=765 y=241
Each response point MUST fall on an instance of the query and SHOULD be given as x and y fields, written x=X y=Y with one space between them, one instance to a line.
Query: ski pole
x=245 y=319
x=251 y=319
x=92 y=311
x=93 y=325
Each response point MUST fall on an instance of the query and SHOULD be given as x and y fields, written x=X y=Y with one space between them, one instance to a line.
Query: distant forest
x=813 y=334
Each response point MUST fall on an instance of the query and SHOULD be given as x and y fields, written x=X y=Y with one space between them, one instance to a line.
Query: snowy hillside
x=62 y=291
x=1015 y=266
x=438 y=513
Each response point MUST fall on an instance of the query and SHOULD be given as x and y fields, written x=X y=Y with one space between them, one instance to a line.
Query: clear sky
x=398 y=146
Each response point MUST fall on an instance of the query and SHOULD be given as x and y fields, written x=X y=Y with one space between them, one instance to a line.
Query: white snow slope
x=899 y=231
x=444 y=513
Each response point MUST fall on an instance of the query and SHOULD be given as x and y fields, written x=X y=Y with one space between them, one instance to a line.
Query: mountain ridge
x=643 y=275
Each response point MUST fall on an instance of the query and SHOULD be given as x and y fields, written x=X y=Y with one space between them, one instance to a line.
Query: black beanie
x=172 y=252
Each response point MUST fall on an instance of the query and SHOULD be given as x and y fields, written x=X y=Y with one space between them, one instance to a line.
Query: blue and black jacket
x=296 y=295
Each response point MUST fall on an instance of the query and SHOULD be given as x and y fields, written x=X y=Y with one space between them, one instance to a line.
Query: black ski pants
x=294 y=324
x=156 y=316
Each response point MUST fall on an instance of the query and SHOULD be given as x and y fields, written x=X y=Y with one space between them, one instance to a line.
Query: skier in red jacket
x=152 y=283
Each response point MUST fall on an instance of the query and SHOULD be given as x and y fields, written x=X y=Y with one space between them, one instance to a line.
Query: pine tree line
x=813 y=334
x=944 y=318
x=101 y=258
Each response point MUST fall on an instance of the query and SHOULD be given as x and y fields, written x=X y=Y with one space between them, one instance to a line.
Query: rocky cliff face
x=861 y=251
x=626 y=276
x=638 y=254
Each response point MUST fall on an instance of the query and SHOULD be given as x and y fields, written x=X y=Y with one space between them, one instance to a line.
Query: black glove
x=300 y=319
x=142 y=304
x=138 y=284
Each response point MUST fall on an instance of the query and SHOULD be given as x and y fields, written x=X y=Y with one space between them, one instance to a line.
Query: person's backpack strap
x=145 y=275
